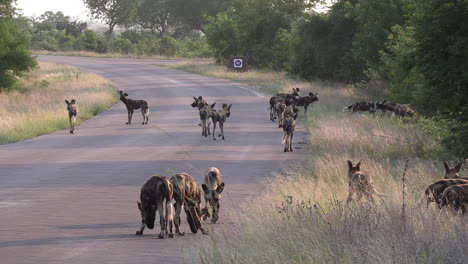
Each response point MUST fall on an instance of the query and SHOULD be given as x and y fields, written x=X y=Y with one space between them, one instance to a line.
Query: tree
x=153 y=15
x=15 y=57
x=113 y=12
x=195 y=13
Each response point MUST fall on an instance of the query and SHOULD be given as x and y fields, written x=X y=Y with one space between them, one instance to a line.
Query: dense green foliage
x=15 y=57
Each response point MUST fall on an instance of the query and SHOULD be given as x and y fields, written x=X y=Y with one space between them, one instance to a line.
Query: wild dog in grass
x=305 y=101
x=456 y=198
x=187 y=195
x=157 y=190
x=396 y=108
x=212 y=189
x=452 y=173
x=205 y=114
x=134 y=105
x=360 y=183
x=71 y=114
x=369 y=106
x=288 y=127
x=220 y=116
x=433 y=192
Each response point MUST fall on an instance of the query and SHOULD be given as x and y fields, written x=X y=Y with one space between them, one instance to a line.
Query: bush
x=167 y=46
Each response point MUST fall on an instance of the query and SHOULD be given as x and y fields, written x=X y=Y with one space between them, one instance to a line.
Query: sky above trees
x=72 y=8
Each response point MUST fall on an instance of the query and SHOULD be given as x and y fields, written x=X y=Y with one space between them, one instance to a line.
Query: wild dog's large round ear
x=194 y=98
x=220 y=188
x=66 y=101
x=229 y=107
x=358 y=165
x=447 y=168
x=121 y=92
x=205 y=189
x=458 y=167
x=125 y=94
x=73 y=101
x=213 y=105
x=139 y=205
x=350 y=164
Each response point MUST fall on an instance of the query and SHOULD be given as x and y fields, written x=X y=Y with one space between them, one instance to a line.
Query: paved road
x=72 y=198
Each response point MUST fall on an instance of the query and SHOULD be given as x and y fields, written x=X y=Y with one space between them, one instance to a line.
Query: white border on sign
x=235 y=62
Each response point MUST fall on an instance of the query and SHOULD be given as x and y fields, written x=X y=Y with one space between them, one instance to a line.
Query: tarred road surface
x=72 y=198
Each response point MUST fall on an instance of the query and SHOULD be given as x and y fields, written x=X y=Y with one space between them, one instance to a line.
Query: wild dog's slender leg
x=170 y=217
x=178 y=210
x=214 y=129
x=143 y=113
x=215 y=214
x=221 y=127
x=140 y=232
x=209 y=126
x=290 y=142
x=162 y=220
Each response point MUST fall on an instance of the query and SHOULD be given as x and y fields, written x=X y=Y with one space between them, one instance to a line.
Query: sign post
x=238 y=63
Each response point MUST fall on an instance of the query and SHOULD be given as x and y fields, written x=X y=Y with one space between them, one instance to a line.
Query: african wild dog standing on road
x=153 y=194
x=187 y=195
x=219 y=116
x=436 y=189
x=289 y=124
x=205 y=114
x=278 y=109
x=360 y=183
x=133 y=105
x=212 y=189
x=456 y=198
x=71 y=114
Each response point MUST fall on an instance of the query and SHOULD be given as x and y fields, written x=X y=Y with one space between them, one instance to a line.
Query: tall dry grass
x=37 y=107
x=301 y=217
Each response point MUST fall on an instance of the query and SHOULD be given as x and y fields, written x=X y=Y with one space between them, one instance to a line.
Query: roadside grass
x=301 y=216
x=113 y=55
x=37 y=106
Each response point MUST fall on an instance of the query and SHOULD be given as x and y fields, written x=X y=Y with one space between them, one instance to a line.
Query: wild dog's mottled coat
x=152 y=196
x=307 y=100
x=132 y=104
x=72 y=112
x=436 y=190
x=288 y=127
x=212 y=189
x=456 y=198
x=219 y=117
x=205 y=114
x=362 y=107
x=360 y=183
x=187 y=194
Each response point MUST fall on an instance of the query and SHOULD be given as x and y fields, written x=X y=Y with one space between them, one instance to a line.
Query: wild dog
x=134 y=105
x=199 y=103
x=369 y=106
x=456 y=198
x=279 y=108
x=71 y=114
x=157 y=190
x=187 y=195
x=285 y=98
x=436 y=190
x=360 y=183
x=452 y=173
x=205 y=114
x=307 y=100
x=212 y=189
x=273 y=101
x=291 y=110
x=288 y=127
x=396 y=108
x=220 y=116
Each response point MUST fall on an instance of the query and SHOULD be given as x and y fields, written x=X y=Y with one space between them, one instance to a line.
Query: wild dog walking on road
x=212 y=189
x=157 y=190
x=289 y=124
x=134 y=105
x=205 y=114
x=278 y=110
x=456 y=198
x=434 y=191
x=187 y=194
x=220 y=116
x=71 y=114
x=360 y=183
